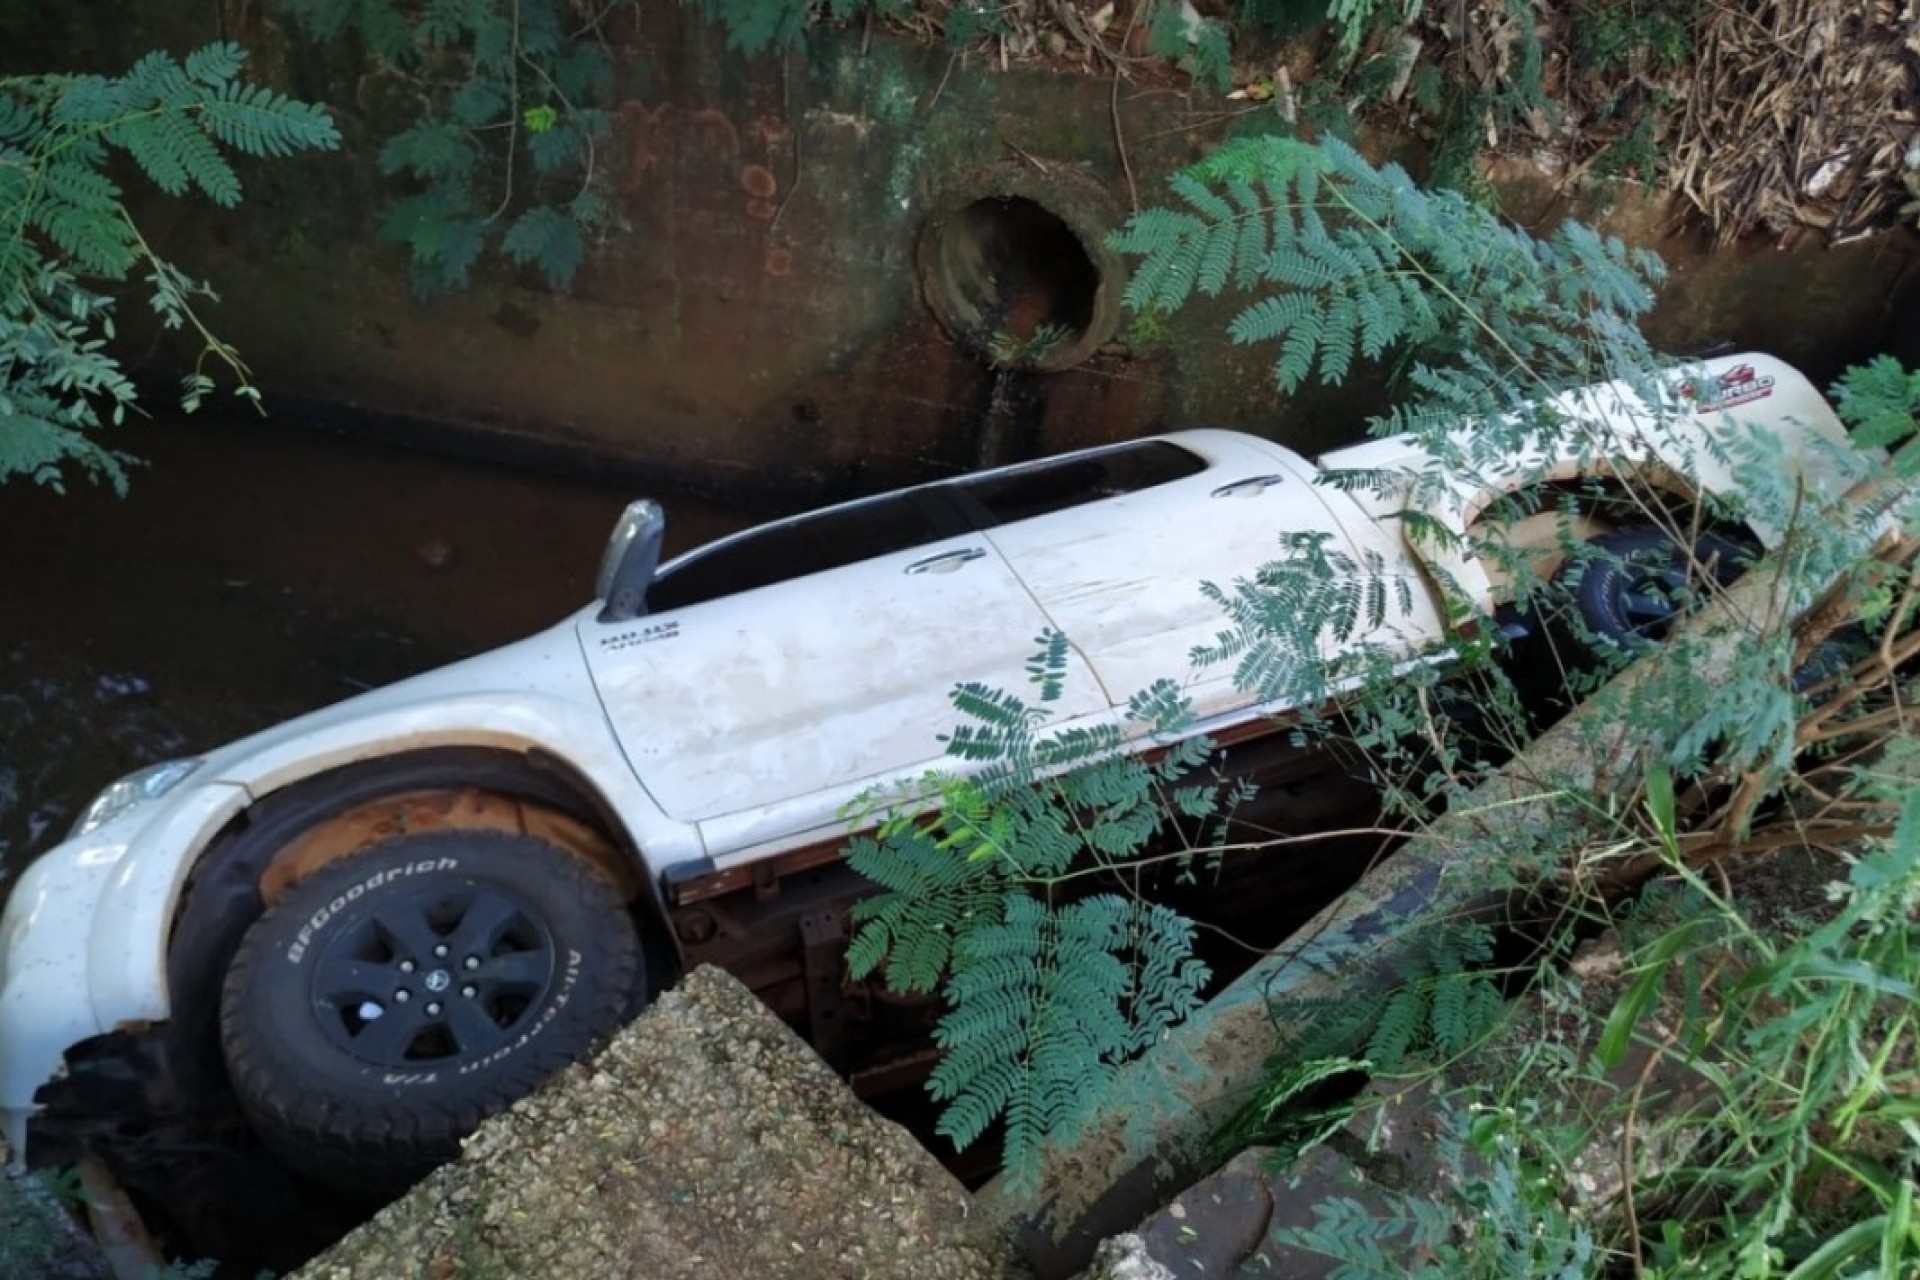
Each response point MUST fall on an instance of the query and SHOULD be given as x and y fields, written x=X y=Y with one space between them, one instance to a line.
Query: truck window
x=794 y=549
x=1060 y=483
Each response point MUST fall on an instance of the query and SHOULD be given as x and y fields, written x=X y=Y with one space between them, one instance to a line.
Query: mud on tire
x=394 y=999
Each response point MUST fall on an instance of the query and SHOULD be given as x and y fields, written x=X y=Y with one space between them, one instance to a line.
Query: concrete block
x=707 y=1141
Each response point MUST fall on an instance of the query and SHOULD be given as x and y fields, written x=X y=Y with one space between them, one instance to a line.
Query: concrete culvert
x=1016 y=282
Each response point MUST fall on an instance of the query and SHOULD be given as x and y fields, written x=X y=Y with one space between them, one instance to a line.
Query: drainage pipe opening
x=1015 y=282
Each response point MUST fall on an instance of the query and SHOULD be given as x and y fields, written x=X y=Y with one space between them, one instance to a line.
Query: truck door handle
x=946 y=561
x=1248 y=487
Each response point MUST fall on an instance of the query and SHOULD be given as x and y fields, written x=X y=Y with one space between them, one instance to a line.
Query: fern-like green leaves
x=1339 y=263
x=1352 y=259
x=430 y=150
x=754 y=25
x=1880 y=401
x=1310 y=621
x=929 y=896
x=65 y=222
x=1489 y=330
x=996 y=886
x=506 y=156
x=1363 y=1244
x=1047 y=1003
x=1445 y=1001
x=53 y=370
x=1199 y=45
x=547 y=237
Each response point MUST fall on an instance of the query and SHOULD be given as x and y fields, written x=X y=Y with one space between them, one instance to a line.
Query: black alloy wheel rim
x=1652 y=592
x=430 y=976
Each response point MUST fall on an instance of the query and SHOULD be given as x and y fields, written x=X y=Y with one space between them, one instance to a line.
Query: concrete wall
x=812 y=247
x=762 y=316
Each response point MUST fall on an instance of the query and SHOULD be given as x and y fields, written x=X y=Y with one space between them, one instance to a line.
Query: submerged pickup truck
x=373 y=925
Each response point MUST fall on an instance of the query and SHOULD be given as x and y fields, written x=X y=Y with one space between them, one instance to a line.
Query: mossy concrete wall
x=761 y=319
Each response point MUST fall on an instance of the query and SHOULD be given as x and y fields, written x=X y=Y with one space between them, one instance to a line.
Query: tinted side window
x=1068 y=482
x=811 y=544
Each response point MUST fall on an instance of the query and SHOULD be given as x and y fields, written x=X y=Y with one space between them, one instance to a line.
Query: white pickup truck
x=377 y=923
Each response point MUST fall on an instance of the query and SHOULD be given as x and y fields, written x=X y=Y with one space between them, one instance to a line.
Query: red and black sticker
x=1739 y=385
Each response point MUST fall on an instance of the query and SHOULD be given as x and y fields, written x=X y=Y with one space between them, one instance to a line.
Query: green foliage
x=1367 y=1246
x=1880 y=402
x=973 y=21
x=1341 y=262
x=1465 y=86
x=754 y=26
x=1652 y=37
x=1818 y=1080
x=1004 y=888
x=1146 y=329
x=1047 y=1003
x=1200 y=45
x=1798 y=1161
x=1635 y=153
x=1295 y=632
x=1465 y=92
x=67 y=228
x=1485 y=330
x=54 y=370
x=1633 y=54
x=1443 y=1002
x=1355 y=20
x=1349 y=24
x=1289 y=1115
x=506 y=154
x=1348 y=260
x=1457 y=131
x=1282 y=19
x=1502 y=1218
x=28 y=1237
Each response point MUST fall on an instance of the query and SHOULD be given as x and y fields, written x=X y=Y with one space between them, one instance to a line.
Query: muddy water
x=254 y=572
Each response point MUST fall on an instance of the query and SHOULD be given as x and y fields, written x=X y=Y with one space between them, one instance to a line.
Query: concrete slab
x=707 y=1141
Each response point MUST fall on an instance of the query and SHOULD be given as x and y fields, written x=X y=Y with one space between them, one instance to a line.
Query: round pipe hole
x=1014 y=282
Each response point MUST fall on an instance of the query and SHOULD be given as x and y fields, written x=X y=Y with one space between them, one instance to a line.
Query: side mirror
x=632 y=554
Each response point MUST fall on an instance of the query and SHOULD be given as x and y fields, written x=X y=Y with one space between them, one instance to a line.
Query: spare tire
x=391 y=1001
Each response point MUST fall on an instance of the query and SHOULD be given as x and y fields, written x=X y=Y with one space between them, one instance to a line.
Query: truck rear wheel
x=1627 y=592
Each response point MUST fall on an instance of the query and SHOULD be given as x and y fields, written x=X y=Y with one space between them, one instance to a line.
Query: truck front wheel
x=391 y=1001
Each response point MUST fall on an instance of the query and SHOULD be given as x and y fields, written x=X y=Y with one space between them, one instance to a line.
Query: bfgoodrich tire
x=394 y=999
